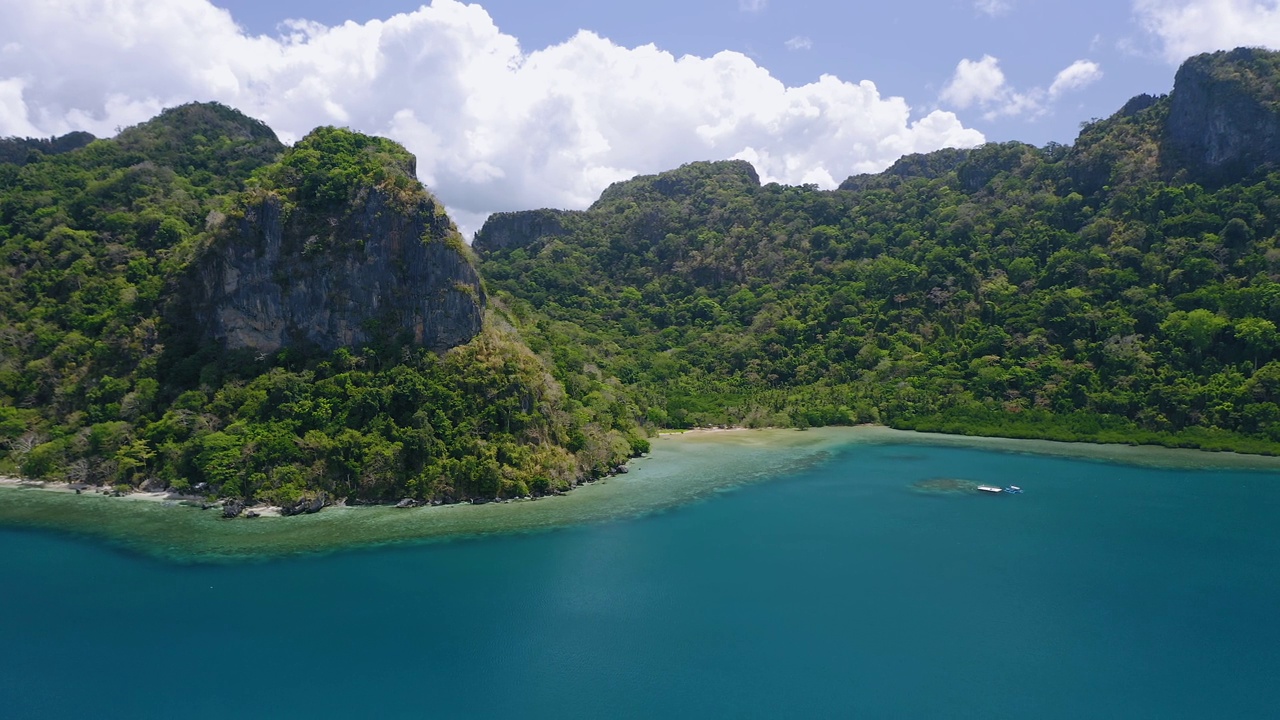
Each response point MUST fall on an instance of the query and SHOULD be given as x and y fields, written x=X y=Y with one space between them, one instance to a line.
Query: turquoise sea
x=836 y=573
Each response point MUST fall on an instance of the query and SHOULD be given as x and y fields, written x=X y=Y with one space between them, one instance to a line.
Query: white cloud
x=993 y=7
x=799 y=42
x=13 y=111
x=982 y=84
x=1077 y=75
x=975 y=82
x=752 y=6
x=1187 y=27
x=494 y=127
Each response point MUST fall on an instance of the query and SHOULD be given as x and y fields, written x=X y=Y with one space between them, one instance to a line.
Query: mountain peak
x=203 y=136
x=689 y=179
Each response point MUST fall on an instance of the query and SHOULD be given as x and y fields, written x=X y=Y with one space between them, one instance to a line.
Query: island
x=193 y=308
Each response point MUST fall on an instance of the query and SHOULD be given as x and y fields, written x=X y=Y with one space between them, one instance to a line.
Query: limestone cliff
x=325 y=256
x=511 y=230
x=1224 y=116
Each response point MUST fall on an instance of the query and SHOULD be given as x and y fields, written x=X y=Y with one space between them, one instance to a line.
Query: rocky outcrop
x=1224 y=117
x=307 y=504
x=381 y=267
x=1137 y=104
x=512 y=230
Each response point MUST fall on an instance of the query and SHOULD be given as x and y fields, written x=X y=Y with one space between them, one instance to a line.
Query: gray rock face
x=511 y=230
x=1224 y=117
x=311 y=503
x=377 y=270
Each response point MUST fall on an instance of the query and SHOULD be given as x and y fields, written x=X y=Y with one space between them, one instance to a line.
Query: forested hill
x=20 y=151
x=1123 y=288
x=191 y=305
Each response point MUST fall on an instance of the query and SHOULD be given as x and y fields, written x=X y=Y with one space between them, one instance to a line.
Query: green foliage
x=481 y=421
x=325 y=169
x=20 y=151
x=95 y=236
x=1081 y=293
x=1052 y=292
x=101 y=382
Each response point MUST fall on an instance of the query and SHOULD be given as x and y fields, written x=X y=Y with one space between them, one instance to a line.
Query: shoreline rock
x=306 y=505
x=311 y=502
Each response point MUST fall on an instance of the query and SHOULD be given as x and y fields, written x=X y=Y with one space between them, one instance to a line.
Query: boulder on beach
x=310 y=502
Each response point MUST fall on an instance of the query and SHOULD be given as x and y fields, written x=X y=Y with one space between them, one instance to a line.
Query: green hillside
x=1121 y=289
x=108 y=374
x=194 y=306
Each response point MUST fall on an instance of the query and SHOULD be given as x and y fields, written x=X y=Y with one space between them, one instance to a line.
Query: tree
x=1258 y=335
x=1196 y=329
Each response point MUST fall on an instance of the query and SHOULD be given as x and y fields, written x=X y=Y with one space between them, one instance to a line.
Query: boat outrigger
x=1011 y=489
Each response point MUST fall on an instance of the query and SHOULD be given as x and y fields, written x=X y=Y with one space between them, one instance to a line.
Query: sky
x=512 y=104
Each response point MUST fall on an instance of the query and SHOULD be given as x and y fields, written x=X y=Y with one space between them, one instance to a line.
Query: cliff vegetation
x=193 y=306
x=1125 y=288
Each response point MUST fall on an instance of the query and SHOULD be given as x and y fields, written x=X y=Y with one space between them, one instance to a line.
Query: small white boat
x=990 y=489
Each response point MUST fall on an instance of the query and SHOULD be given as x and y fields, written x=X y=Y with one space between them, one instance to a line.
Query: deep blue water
x=1104 y=591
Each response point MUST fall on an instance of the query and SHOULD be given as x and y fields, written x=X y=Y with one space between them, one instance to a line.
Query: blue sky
x=908 y=48
x=514 y=104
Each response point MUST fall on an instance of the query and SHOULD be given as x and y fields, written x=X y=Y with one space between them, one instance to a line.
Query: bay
x=775 y=574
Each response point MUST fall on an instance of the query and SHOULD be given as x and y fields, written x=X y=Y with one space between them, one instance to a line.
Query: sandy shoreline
x=711 y=430
x=684 y=468
x=136 y=495
x=1142 y=455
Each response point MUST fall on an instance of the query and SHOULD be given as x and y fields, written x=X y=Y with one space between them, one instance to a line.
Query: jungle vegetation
x=1087 y=292
x=1118 y=290
x=101 y=382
